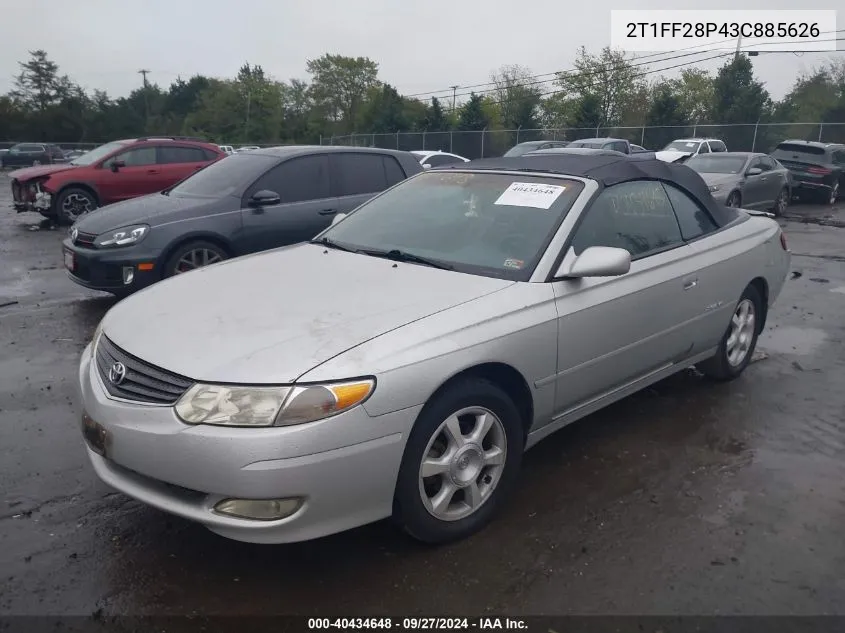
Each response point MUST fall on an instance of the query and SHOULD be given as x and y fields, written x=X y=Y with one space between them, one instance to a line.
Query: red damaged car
x=109 y=173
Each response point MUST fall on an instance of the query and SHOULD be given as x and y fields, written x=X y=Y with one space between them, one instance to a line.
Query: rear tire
x=193 y=255
x=782 y=202
x=830 y=196
x=739 y=341
x=469 y=438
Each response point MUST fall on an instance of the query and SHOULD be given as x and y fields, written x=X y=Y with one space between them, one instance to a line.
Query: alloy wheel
x=197 y=258
x=76 y=205
x=783 y=202
x=742 y=332
x=463 y=463
x=834 y=193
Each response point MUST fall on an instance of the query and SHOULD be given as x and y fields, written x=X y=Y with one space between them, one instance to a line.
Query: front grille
x=142 y=382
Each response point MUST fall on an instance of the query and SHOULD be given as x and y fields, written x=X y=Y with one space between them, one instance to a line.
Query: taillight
x=783 y=241
x=824 y=171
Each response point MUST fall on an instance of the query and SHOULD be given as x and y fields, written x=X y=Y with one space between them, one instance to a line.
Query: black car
x=532 y=146
x=817 y=169
x=241 y=204
x=26 y=154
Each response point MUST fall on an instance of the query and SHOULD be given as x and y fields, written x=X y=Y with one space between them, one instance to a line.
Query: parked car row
x=24 y=154
x=397 y=360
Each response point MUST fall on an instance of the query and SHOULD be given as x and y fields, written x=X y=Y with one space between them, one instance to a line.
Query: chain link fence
x=741 y=137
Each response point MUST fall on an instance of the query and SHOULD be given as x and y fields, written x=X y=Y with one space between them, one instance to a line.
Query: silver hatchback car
x=402 y=362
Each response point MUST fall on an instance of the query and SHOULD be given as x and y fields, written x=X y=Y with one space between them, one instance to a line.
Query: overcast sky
x=420 y=45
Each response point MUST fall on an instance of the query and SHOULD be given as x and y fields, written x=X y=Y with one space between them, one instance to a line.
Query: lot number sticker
x=530 y=194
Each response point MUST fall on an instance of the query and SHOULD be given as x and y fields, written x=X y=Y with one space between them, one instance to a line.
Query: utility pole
x=454 y=90
x=738 y=46
x=143 y=72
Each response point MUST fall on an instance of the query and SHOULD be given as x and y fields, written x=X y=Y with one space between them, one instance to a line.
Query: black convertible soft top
x=611 y=170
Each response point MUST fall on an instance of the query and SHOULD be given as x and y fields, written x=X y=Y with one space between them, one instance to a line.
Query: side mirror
x=426 y=166
x=117 y=164
x=754 y=171
x=597 y=261
x=264 y=198
x=337 y=218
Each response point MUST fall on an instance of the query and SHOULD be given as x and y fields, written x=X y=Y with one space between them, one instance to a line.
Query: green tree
x=472 y=116
x=739 y=98
x=39 y=86
x=587 y=115
x=435 y=119
x=665 y=111
x=518 y=97
x=609 y=78
x=694 y=90
x=340 y=85
x=384 y=111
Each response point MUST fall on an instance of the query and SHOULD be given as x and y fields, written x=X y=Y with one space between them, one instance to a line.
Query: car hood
x=154 y=208
x=28 y=173
x=671 y=155
x=268 y=318
x=719 y=179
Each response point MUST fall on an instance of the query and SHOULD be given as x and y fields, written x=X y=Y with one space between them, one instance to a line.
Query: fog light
x=128 y=275
x=259 y=509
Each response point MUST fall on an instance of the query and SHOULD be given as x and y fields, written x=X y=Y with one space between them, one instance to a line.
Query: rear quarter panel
x=730 y=260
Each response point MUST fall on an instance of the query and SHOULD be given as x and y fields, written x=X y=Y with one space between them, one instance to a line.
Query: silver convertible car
x=402 y=362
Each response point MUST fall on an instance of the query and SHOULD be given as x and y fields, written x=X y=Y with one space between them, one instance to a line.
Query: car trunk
x=806 y=164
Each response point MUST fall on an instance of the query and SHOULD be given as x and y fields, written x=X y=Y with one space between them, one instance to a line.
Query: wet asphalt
x=687 y=498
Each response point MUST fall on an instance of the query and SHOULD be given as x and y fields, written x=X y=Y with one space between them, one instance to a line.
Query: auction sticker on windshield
x=530 y=194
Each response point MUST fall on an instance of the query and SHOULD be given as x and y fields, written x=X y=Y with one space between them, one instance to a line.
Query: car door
x=306 y=205
x=138 y=174
x=707 y=321
x=615 y=330
x=755 y=191
x=357 y=177
x=774 y=180
x=177 y=162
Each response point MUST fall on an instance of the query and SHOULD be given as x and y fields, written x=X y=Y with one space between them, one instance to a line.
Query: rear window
x=784 y=150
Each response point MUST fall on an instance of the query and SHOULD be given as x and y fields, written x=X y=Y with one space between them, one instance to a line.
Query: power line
x=633 y=59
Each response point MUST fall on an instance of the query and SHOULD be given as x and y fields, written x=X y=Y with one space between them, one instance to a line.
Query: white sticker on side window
x=530 y=194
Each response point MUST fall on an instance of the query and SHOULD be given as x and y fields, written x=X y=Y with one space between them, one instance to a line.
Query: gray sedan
x=401 y=363
x=745 y=179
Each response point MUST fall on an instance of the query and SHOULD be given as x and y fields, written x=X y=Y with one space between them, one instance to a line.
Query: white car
x=227 y=148
x=247 y=148
x=436 y=159
x=682 y=148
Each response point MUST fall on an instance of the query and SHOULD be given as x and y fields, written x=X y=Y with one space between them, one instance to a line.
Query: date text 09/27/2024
x=417 y=624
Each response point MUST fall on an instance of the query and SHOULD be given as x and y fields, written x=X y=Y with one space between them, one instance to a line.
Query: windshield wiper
x=403 y=256
x=324 y=241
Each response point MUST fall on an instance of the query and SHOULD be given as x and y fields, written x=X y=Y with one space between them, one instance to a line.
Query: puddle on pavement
x=793 y=340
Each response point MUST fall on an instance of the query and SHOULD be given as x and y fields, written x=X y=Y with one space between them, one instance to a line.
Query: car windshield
x=716 y=164
x=682 y=146
x=490 y=224
x=226 y=177
x=89 y=158
x=522 y=148
x=799 y=152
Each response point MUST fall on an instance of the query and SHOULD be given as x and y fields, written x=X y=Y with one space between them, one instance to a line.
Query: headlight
x=714 y=188
x=235 y=405
x=97 y=334
x=124 y=236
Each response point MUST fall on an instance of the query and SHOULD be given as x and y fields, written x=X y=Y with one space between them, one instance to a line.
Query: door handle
x=328 y=212
x=152 y=171
x=690 y=283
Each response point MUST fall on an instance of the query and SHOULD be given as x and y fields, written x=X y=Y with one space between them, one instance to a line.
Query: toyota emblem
x=117 y=373
x=74 y=233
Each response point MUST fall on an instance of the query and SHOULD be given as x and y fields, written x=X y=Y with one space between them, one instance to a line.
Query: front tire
x=739 y=341
x=734 y=200
x=461 y=461
x=72 y=203
x=782 y=202
x=193 y=255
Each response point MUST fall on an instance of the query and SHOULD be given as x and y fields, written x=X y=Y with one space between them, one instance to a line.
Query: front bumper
x=344 y=468
x=108 y=269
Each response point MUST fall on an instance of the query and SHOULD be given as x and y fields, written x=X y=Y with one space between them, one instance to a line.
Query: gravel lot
x=688 y=498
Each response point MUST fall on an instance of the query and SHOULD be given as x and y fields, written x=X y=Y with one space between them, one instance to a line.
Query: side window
x=297 y=179
x=209 y=155
x=169 y=154
x=839 y=158
x=559 y=144
x=355 y=174
x=759 y=164
x=546 y=146
x=636 y=216
x=137 y=157
x=620 y=146
x=766 y=163
x=442 y=159
x=692 y=218
x=718 y=146
x=393 y=171
x=704 y=148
